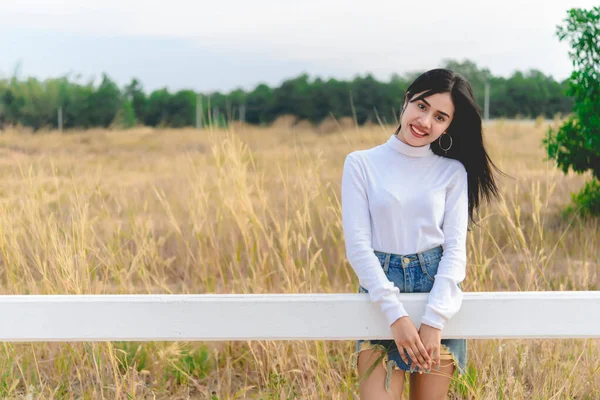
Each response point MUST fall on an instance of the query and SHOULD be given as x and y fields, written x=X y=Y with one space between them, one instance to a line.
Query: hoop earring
x=440 y=143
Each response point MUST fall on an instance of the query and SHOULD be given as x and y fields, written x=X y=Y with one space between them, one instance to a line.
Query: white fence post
x=60 y=119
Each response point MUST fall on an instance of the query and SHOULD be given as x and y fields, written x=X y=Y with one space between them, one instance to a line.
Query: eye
x=440 y=118
x=421 y=106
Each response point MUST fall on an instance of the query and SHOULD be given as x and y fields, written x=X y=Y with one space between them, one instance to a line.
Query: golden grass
x=256 y=210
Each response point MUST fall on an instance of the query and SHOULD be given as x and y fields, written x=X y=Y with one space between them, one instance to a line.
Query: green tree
x=125 y=117
x=78 y=110
x=134 y=93
x=35 y=103
x=576 y=144
x=260 y=103
x=41 y=102
x=181 y=109
x=476 y=76
x=156 y=110
x=104 y=103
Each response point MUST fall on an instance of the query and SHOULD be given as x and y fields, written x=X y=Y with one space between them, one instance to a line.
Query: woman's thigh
x=372 y=386
x=434 y=385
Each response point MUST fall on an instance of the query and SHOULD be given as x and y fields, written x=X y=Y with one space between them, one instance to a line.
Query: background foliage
x=35 y=103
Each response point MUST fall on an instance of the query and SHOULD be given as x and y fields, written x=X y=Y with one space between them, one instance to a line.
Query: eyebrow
x=441 y=112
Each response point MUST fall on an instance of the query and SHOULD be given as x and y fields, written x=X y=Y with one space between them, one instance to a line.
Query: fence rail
x=220 y=317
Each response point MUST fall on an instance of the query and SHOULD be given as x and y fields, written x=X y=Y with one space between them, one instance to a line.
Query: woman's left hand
x=432 y=339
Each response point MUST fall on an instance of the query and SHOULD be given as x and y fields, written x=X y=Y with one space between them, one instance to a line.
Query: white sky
x=219 y=45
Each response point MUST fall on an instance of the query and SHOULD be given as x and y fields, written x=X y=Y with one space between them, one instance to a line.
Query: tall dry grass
x=257 y=210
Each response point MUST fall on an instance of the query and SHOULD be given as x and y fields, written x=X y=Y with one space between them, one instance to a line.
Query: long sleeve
x=445 y=298
x=356 y=223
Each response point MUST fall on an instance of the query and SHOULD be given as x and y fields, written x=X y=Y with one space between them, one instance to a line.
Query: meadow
x=257 y=210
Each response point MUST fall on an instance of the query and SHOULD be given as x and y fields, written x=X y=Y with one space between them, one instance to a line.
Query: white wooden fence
x=210 y=317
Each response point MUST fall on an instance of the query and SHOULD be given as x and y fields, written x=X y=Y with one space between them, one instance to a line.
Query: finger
x=433 y=360
x=432 y=355
x=424 y=354
x=419 y=358
x=437 y=357
x=412 y=356
x=402 y=352
x=421 y=353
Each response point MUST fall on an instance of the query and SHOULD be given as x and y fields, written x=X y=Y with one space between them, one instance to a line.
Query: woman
x=406 y=205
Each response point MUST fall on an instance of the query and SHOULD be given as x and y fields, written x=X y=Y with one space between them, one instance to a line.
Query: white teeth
x=418 y=131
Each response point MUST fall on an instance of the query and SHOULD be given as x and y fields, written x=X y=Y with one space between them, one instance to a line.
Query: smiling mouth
x=417 y=133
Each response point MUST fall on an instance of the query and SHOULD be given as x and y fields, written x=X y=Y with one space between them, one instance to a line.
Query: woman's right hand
x=407 y=337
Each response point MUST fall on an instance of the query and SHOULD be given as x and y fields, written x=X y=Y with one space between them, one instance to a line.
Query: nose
x=425 y=121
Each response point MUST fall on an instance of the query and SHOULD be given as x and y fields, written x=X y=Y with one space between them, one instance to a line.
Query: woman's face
x=423 y=121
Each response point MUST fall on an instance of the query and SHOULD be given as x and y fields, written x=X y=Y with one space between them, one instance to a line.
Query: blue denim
x=412 y=273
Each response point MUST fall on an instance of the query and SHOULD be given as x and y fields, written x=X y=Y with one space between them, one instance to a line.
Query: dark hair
x=465 y=129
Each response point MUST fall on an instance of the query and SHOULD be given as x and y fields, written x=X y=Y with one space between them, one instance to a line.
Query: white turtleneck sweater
x=401 y=199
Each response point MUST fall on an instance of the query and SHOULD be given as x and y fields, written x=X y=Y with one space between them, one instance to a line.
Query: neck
x=412 y=151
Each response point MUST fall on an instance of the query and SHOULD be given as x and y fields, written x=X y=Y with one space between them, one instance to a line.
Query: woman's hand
x=407 y=337
x=431 y=338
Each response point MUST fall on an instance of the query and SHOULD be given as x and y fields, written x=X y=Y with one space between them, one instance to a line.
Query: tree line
x=34 y=103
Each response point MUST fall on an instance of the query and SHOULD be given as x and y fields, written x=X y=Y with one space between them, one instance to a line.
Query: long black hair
x=466 y=131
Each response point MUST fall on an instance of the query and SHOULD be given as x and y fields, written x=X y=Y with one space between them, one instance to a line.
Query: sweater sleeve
x=445 y=298
x=356 y=221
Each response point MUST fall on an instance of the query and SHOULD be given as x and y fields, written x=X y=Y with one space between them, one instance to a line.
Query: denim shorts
x=412 y=273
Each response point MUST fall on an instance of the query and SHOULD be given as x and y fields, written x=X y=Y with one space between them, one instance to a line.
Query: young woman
x=406 y=205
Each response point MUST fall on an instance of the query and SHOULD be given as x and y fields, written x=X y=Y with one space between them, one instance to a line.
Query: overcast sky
x=221 y=45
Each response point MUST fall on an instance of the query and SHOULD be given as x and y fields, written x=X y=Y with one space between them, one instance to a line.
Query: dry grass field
x=257 y=210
